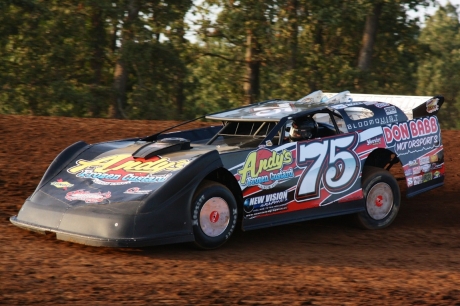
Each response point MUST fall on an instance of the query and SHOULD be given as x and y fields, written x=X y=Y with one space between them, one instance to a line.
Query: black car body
x=196 y=185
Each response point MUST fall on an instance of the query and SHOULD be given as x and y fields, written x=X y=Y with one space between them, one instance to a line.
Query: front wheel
x=214 y=215
x=382 y=198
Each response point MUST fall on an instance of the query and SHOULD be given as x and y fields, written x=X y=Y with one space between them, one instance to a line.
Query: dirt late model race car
x=267 y=164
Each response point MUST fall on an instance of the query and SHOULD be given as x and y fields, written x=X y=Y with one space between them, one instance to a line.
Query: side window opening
x=358 y=113
x=328 y=118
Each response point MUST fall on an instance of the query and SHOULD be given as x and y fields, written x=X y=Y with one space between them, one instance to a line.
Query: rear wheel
x=214 y=215
x=382 y=198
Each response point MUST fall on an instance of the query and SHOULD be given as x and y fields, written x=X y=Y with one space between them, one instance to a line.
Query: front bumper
x=105 y=242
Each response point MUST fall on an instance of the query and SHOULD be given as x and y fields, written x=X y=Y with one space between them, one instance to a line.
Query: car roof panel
x=267 y=111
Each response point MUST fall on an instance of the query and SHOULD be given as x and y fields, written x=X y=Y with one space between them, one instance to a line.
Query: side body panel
x=322 y=177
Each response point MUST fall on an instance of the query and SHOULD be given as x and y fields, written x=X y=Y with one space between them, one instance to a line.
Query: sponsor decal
x=424 y=160
x=266 y=203
x=137 y=190
x=416 y=170
x=272 y=110
x=345 y=105
x=434 y=158
x=87 y=196
x=265 y=168
x=365 y=123
x=417 y=180
x=88 y=173
x=391 y=110
x=410 y=182
x=413 y=136
x=61 y=184
x=374 y=141
x=427 y=177
x=432 y=105
x=381 y=104
x=426 y=167
x=123 y=169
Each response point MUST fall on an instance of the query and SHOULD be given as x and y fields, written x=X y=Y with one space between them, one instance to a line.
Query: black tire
x=214 y=215
x=382 y=198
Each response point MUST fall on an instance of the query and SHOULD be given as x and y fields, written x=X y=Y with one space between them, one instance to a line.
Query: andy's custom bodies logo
x=264 y=168
x=124 y=169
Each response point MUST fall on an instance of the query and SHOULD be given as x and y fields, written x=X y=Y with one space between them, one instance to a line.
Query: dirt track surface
x=416 y=261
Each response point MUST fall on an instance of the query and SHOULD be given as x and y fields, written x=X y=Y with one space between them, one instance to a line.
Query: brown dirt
x=416 y=261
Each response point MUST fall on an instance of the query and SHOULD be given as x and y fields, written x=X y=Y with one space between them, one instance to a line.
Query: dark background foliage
x=177 y=59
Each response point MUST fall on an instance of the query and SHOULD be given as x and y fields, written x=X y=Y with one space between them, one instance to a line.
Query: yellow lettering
x=104 y=164
x=249 y=166
x=129 y=165
x=98 y=164
x=274 y=162
x=287 y=157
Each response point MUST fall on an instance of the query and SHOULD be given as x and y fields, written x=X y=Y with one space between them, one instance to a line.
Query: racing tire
x=214 y=215
x=382 y=198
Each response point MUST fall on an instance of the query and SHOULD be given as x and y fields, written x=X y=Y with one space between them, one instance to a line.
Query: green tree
x=440 y=62
x=150 y=59
x=293 y=47
x=120 y=58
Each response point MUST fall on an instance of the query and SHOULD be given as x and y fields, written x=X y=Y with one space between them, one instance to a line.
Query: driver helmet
x=303 y=129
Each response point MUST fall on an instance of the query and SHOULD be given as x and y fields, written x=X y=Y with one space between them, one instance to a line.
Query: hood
x=121 y=171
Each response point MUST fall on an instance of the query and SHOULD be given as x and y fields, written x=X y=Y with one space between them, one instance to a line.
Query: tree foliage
x=439 y=64
x=131 y=58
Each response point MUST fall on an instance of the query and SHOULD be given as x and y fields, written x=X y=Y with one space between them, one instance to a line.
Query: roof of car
x=266 y=111
x=274 y=110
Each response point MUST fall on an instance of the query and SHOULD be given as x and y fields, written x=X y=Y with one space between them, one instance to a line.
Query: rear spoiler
x=412 y=106
x=430 y=107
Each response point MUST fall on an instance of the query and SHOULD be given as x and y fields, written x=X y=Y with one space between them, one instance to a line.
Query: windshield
x=243 y=133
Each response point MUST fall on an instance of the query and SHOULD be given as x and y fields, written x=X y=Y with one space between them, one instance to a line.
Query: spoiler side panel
x=429 y=108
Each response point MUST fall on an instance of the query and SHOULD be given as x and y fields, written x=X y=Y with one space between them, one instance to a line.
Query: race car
x=262 y=165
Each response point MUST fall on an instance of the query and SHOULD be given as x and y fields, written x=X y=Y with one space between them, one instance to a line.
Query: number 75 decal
x=332 y=162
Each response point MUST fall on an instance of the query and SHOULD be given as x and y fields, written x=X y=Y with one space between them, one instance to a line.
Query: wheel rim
x=379 y=201
x=214 y=217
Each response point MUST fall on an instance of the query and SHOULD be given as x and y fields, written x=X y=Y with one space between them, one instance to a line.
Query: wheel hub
x=379 y=201
x=214 y=216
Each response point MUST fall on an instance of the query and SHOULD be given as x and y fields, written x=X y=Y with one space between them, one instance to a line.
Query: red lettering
x=396 y=132
x=404 y=131
x=434 y=125
x=413 y=129
x=388 y=134
x=426 y=124
x=420 y=128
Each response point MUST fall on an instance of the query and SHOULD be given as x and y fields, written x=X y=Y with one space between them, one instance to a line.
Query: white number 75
x=330 y=161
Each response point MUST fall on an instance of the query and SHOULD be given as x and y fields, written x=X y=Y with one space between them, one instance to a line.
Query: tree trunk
x=292 y=9
x=369 y=35
x=252 y=80
x=98 y=42
x=179 y=97
x=121 y=70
